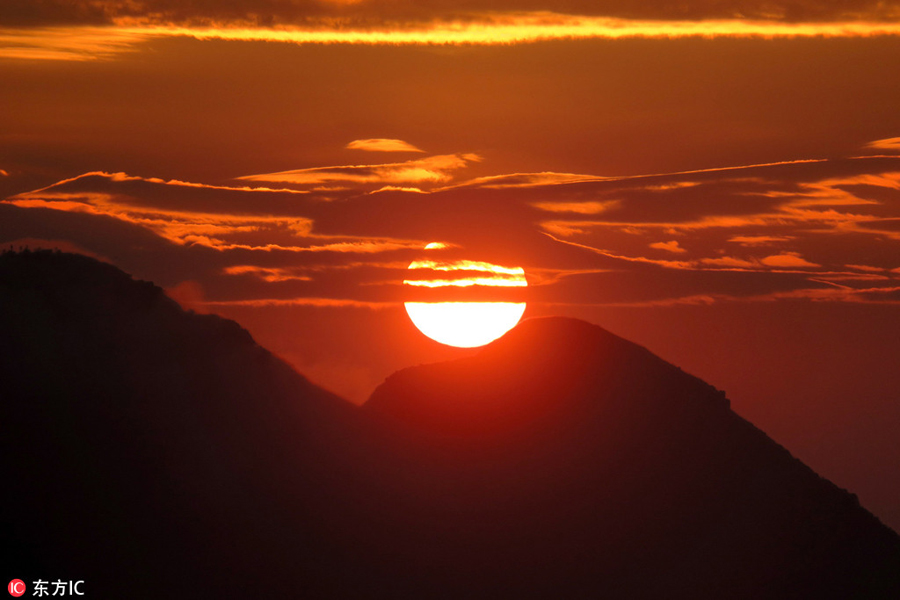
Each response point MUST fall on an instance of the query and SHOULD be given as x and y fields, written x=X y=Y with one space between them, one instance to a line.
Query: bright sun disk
x=464 y=324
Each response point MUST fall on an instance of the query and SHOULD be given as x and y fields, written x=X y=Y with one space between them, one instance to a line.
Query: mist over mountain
x=155 y=453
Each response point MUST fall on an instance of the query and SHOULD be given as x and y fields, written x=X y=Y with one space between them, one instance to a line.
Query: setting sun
x=464 y=324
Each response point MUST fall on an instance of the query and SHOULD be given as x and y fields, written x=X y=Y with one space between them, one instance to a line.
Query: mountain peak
x=617 y=457
x=543 y=372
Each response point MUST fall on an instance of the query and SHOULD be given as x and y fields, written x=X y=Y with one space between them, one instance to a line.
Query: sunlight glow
x=465 y=324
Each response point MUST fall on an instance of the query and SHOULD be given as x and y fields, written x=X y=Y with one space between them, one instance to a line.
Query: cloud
x=759 y=240
x=382 y=145
x=668 y=246
x=216 y=217
x=434 y=169
x=66 y=43
x=303 y=301
x=583 y=208
x=866 y=268
x=788 y=260
x=92 y=29
x=529 y=180
x=729 y=261
x=269 y=274
x=465 y=273
x=699 y=236
x=892 y=144
x=405 y=13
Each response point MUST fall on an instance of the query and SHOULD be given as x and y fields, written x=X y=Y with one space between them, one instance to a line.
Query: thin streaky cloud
x=581 y=208
x=786 y=262
x=527 y=180
x=549 y=178
x=398 y=188
x=866 y=268
x=830 y=294
x=69 y=43
x=79 y=43
x=120 y=177
x=382 y=145
x=759 y=240
x=267 y=274
x=885 y=144
x=433 y=169
x=218 y=231
x=403 y=13
x=319 y=302
x=504 y=29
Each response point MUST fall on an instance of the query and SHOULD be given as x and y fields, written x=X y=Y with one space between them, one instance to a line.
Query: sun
x=466 y=324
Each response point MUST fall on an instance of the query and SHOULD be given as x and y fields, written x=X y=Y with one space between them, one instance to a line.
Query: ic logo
x=16 y=587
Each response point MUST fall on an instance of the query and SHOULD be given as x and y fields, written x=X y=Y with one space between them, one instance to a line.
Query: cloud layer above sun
x=807 y=230
x=283 y=12
x=91 y=29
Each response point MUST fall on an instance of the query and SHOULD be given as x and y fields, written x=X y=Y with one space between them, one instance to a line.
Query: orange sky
x=718 y=181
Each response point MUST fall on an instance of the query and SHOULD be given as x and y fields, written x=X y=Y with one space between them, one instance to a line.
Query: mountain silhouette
x=585 y=465
x=154 y=452
x=150 y=446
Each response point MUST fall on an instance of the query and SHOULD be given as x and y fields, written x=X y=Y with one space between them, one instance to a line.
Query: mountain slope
x=572 y=461
x=150 y=445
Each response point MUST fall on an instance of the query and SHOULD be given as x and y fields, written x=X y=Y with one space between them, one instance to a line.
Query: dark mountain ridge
x=149 y=444
x=160 y=453
x=635 y=464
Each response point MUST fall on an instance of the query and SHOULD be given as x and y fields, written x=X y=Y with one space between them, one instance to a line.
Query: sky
x=717 y=181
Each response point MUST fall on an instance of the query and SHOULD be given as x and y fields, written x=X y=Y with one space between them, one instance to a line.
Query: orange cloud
x=771 y=227
x=397 y=188
x=269 y=274
x=98 y=29
x=892 y=144
x=320 y=302
x=866 y=268
x=467 y=265
x=668 y=246
x=517 y=28
x=382 y=145
x=496 y=281
x=583 y=208
x=489 y=274
x=729 y=261
x=434 y=169
x=77 y=43
x=217 y=230
x=788 y=260
x=759 y=240
x=528 y=180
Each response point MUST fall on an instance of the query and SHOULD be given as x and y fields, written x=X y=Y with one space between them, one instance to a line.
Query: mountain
x=146 y=446
x=153 y=452
x=563 y=460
